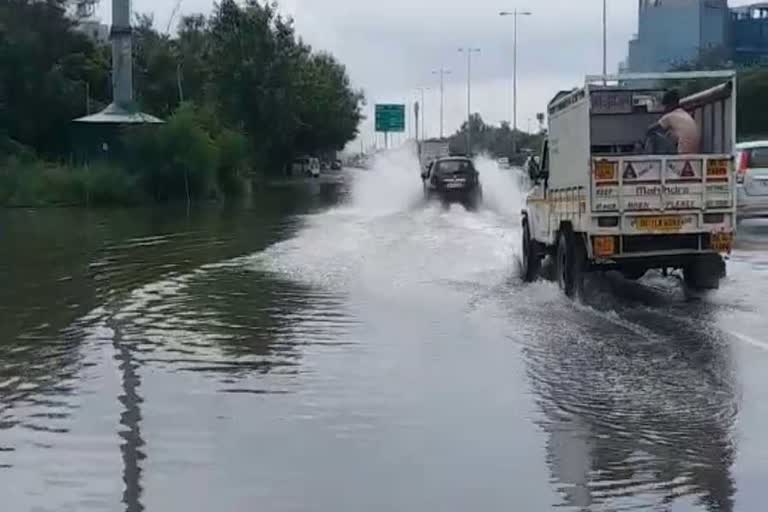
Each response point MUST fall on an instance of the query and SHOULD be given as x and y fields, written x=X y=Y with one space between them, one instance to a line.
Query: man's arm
x=660 y=125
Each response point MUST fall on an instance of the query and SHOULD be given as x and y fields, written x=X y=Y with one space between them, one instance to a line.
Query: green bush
x=233 y=161
x=104 y=185
x=36 y=183
x=177 y=160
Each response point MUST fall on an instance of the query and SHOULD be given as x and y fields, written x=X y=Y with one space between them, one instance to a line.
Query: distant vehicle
x=503 y=163
x=634 y=207
x=336 y=165
x=431 y=150
x=752 y=180
x=307 y=166
x=453 y=179
x=531 y=160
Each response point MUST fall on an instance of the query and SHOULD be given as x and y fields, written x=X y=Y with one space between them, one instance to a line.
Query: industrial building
x=675 y=32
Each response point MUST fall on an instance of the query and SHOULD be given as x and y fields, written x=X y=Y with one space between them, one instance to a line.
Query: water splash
x=388 y=238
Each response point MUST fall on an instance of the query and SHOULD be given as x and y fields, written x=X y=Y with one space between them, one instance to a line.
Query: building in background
x=749 y=34
x=675 y=32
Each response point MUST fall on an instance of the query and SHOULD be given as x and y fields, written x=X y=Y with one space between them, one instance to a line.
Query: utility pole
x=605 y=37
x=469 y=51
x=423 y=112
x=416 y=110
x=442 y=72
x=514 y=15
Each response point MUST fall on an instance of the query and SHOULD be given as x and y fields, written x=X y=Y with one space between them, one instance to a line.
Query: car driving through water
x=453 y=180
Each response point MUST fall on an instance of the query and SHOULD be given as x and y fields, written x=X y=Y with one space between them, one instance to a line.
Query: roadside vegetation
x=497 y=141
x=752 y=84
x=240 y=93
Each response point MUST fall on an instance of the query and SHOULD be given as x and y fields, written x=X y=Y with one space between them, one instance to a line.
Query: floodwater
x=345 y=347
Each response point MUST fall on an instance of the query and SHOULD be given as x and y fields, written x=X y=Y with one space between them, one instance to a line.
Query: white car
x=752 y=180
x=306 y=165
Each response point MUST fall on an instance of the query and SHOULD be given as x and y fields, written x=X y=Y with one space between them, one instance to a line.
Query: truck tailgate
x=662 y=195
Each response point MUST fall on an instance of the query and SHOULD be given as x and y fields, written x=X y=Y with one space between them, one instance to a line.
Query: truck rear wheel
x=531 y=255
x=704 y=273
x=571 y=258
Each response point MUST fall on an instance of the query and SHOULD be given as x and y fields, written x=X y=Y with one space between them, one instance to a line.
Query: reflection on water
x=377 y=355
x=91 y=294
x=639 y=406
x=130 y=419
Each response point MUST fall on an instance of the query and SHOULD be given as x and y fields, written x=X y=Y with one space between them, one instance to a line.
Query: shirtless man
x=679 y=125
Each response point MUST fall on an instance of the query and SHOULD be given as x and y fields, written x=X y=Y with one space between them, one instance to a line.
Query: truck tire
x=704 y=273
x=570 y=263
x=531 y=255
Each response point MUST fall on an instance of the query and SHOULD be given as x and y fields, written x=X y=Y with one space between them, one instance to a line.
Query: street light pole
x=423 y=112
x=442 y=72
x=469 y=51
x=514 y=15
x=605 y=37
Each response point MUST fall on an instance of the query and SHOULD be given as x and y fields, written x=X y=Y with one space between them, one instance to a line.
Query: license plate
x=604 y=246
x=605 y=171
x=455 y=185
x=666 y=224
x=717 y=168
x=721 y=242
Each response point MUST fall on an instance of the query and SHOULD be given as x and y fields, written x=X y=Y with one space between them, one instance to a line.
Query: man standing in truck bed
x=679 y=124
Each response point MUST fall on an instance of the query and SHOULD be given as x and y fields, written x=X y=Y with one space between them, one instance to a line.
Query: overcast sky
x=391 y=47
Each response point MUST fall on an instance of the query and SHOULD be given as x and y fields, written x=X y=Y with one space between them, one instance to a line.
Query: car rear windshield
x=758 y=157
x=454 y=166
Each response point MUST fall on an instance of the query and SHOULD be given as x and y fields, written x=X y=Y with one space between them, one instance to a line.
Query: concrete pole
x=469 y=52
x=122 y=54
x=605 y=37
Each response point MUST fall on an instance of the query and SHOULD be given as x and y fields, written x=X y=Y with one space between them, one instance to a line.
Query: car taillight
x=743 y=167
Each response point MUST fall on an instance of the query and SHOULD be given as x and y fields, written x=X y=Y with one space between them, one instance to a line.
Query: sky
x=392 y=47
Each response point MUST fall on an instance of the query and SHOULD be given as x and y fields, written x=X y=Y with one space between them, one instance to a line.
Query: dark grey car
x=453 y=180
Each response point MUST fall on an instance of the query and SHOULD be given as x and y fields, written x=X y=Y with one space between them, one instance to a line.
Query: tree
x=45 y=65
x=497 y=141
x=752 y=82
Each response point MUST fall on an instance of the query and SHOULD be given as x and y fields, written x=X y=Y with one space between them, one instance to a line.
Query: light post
x=423 y=113
x=514 y=15
x=442 y=72
x=605 y=37
x=469 y=51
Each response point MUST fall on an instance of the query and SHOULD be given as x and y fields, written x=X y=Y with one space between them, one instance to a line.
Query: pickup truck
x=605 y=197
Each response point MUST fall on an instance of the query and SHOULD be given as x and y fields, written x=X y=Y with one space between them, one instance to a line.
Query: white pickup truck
x=604 y=198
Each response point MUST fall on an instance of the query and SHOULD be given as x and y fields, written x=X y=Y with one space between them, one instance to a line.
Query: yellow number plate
x=666 y=224
x=605 y=171
x=717 y=168
x=604 y=246
x=721 y=242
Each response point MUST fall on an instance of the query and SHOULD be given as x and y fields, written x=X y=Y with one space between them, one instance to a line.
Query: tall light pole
x=423 y=113
x=514 y=15
x=605 y=37
x=469 y=51
x=442 y=72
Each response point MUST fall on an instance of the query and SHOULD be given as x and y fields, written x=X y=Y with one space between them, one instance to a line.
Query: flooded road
x=346 y=347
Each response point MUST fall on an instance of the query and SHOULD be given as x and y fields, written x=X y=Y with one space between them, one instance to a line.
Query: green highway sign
x=390 y=118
